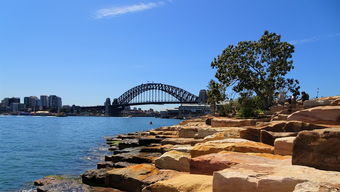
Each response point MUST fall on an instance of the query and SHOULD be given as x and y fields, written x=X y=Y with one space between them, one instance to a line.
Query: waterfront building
x=13 y=100
x=27 y=102
x=44 y=102
x=16 y=107
x=31 y=103
x=5 y=102
x=54 y=102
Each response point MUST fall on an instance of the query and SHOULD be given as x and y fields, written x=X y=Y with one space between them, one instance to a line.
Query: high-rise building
x=13 y=100
x=54 y=102
x=27 y=102
x=44 y=102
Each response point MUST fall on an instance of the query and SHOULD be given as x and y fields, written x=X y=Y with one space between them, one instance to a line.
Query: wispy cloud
x=313 y=39
x=115 y=11
x=307 y=40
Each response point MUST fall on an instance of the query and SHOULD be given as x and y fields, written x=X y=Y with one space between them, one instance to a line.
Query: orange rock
x=183 y=183
x=244 y=146
x=207 y=164
x=329 y=114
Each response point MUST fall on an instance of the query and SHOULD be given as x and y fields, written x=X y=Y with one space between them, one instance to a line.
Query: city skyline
x=87 y=51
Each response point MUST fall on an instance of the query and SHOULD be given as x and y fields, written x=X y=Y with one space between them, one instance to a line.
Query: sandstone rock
x=315 y=103
x=104 y=164
x=123 y=164
x=318 y=148
x=144 y=141
x=180 y=141
x=228 y=122
x=229 y=145
x=223 y=133
x=207 y=164
x=327 y=114
x=187 y=132
x=284 y=146
x=182 y=183
x=174 y=160
x=251 y=133
x=316 y=187
x=95 y=177
x=267 y=178
x=254 y=133
x=126 y=143
x=268 y=137
x=135 y=178
x=203 y=132
x=182 y=148
x=65 y=185
x=104 y=189
x=47 y=180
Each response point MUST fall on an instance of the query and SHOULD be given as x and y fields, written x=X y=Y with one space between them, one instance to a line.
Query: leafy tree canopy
x=257 y=66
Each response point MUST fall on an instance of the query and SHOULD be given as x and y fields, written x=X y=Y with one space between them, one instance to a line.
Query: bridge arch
x=181 y=95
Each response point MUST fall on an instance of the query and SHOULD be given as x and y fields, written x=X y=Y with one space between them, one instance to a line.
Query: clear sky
x=88 y=50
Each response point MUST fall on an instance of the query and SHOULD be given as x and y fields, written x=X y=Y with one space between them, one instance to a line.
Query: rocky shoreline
x=296 y=150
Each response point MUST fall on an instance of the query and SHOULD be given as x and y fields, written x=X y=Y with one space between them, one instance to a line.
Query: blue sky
x=86 y=50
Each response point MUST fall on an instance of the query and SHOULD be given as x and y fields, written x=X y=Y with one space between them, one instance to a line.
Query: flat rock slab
x=318 y=114
x=145 y=141
x=181 y=141
x=175 y=160
x=267 y=178
x=126 y=143
x=182 y=183
x=228 y=122
x=208 y=164
x=236 y=146
x=135 y=178
x=318 y=148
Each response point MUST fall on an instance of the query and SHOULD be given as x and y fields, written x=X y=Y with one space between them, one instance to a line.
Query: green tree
x=257 y=66
x=216 y=93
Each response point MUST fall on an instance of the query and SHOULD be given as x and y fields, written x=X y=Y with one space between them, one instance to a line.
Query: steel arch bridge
x=145 y=94
x=155 y=93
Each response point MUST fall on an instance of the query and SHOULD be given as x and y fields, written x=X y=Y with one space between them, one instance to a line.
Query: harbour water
x=34 y=147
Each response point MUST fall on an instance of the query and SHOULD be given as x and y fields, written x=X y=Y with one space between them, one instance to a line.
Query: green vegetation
x=216 y=93
x=255 y=70
x=113 y=143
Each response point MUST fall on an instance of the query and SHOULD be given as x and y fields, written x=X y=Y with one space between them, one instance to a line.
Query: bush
x=249 y=106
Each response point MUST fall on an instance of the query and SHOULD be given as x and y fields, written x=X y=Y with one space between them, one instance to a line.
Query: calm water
x=33 y=147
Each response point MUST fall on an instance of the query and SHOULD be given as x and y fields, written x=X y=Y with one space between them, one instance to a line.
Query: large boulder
x=318 y=148
x=174 y=160
x=208 y=164
x=268 y=137
x=182 y=183
x=187 y=132
x=236 y=145
x=324 y=114
x=135 y=178
x=268 y=177
x=95 y=177
x=254 y=133
x=228 y=122
x=284 y=146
